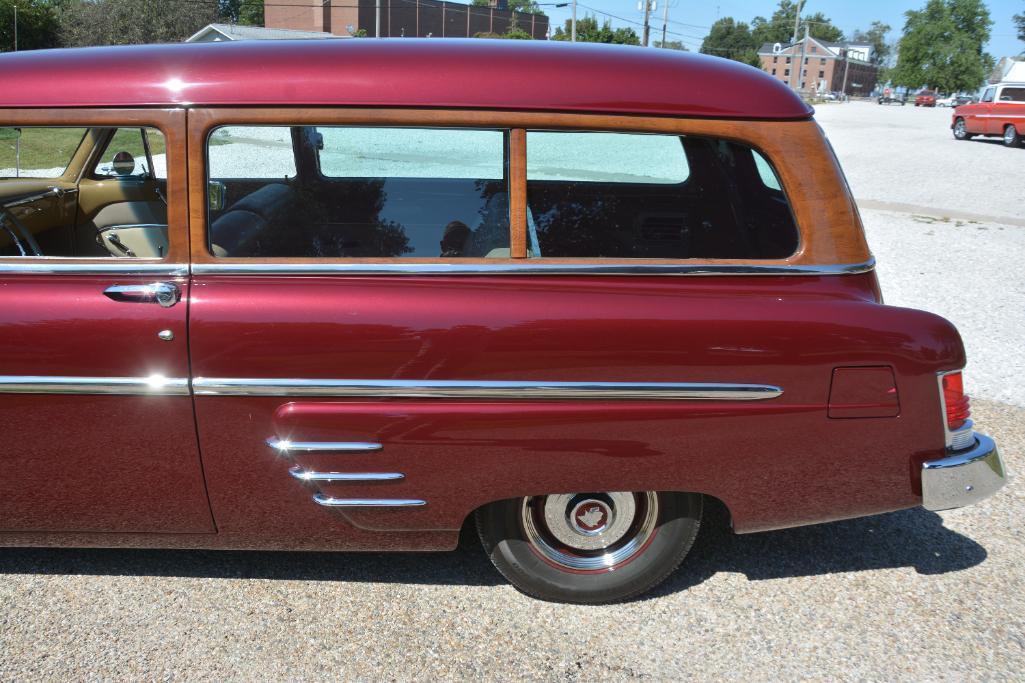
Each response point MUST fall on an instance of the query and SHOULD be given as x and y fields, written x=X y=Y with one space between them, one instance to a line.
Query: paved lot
x=911 y=595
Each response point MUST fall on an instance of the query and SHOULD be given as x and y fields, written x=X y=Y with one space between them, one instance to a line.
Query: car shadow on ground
x=911 y=538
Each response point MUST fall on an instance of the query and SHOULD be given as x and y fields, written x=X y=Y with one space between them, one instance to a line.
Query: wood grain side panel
x=518 y=193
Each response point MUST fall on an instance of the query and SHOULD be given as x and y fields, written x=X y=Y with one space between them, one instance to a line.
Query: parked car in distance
x=925 y=98
x=373 y=298
x=945 y=101
x=963 y=99
x=892 y=99
x=1000 y=113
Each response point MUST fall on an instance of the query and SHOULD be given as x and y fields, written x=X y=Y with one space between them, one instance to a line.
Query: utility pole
x=647 y=18
x=804 y=45
x=797 y=21
x=573 y=30
x=846 y=68
x=665 y=21
x=377 y=30
x=15 y=28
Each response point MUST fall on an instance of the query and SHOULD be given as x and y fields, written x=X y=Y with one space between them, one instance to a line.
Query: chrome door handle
x=166 y=294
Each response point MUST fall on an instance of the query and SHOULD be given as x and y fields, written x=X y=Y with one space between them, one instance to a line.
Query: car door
x=98 y=425
x=983 y=114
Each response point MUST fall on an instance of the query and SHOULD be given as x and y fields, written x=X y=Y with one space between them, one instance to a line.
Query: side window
x=358 y=192
x=1012 y=95
x=988 y=95
x=617 y=195
x=133 y=153
x=71 y=209
x=37 y=152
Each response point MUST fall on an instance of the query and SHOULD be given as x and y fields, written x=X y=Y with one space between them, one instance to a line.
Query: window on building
x=822 y=74
x=822 y=60
x=812 y=48
x=805 y=60
x=802 y=85
x=788 y=60
x=804 y=72
x=360 y=192
x=786 y=72
x=665 y=197
x=773 y=72
x=775 y=60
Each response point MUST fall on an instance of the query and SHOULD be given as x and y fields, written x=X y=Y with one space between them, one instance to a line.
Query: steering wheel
x=7 y=220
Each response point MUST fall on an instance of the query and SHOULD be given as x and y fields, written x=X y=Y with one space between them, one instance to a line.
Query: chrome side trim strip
x=217 y=386
x=70 y=266
x=309 y=475
x=528 y=267
x=285 y=447
x=131 y=386
x=328 y=501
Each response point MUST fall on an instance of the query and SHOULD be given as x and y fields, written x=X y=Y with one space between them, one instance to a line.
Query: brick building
x=407 y=18
x=824 y=68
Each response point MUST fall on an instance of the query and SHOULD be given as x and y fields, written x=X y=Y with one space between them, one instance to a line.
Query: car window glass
x=130 y=152
x=988 y=96
x=585 y=157
x=726 y=202
x=73 y=209
x=251 y=152
x=364 y=192
x=37 y=152
x=1012 y=95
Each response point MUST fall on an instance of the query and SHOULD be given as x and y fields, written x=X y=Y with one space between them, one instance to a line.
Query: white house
x=217 y=33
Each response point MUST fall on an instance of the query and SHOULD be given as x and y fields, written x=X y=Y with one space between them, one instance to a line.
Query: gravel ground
x=911 y=595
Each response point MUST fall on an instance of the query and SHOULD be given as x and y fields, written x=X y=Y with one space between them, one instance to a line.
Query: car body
x=889 y=97
x=945 y=101
x=963 y=99
x=259 y=301
x=925 y=98
x=999 y=113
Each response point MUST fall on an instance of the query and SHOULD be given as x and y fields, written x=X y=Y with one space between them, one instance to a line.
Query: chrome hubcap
x=590 y=531
x=1009 y=133
x=959 y=128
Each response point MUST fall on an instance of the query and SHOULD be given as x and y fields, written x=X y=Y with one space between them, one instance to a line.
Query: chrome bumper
x=963 y=478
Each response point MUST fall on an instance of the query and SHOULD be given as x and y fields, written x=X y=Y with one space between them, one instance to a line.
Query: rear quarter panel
x=775 y=463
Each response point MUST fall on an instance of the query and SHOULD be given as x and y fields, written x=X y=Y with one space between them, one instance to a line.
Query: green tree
x=942 y=46
x=876 y=37
x=529 y=6
x=131 y=22
x=37 y=25
x=1019 y=21
x=588 y=31
x=671 y=45
x=731 y=39
x=247 y=12
x=780 y=27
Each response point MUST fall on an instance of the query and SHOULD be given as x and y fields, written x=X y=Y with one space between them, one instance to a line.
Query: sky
x=689 y=20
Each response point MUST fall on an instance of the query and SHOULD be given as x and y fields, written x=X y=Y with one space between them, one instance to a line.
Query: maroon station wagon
x=355 y=295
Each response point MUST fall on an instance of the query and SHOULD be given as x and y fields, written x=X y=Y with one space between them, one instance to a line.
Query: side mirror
x=215 y=192
x=123 y=163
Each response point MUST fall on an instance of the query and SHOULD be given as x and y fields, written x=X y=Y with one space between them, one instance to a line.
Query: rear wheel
x=961 y=130
x=589 y=547
x=1011 y=137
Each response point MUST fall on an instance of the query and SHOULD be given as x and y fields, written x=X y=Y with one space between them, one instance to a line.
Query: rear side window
x=1012 y=95
x=610 y=195
x=358 y=192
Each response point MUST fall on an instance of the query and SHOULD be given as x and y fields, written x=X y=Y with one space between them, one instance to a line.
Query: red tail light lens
x=955 y=400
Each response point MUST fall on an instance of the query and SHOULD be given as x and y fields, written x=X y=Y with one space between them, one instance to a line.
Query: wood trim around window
x=171 y=123
x=830 y=230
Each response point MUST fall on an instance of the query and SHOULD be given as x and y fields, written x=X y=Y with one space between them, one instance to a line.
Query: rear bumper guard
x=964 y=477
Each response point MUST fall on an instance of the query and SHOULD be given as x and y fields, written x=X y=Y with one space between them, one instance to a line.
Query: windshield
x=37 y=152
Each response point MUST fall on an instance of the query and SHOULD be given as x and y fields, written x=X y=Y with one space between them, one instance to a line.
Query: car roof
x=399 y=72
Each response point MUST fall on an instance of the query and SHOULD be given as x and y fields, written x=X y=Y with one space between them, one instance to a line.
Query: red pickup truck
x=926 y=98
x=1001 y=112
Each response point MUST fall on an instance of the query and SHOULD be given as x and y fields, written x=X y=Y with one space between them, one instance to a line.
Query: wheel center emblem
x=590 y=517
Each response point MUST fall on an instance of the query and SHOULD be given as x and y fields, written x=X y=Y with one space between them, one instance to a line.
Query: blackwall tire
x=1011 y=137
x=961 y=130
x=541 y=546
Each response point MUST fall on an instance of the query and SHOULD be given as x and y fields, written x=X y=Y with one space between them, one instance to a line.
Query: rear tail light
x=955 y=401
x=956 y=412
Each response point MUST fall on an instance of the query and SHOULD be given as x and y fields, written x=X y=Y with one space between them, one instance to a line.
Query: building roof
x=399 y=72
x=239 y=32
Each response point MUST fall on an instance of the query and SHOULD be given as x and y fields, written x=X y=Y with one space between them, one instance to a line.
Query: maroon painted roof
x=402 y=72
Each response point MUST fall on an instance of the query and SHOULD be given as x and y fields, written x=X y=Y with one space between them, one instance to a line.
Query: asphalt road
x=912 y=595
